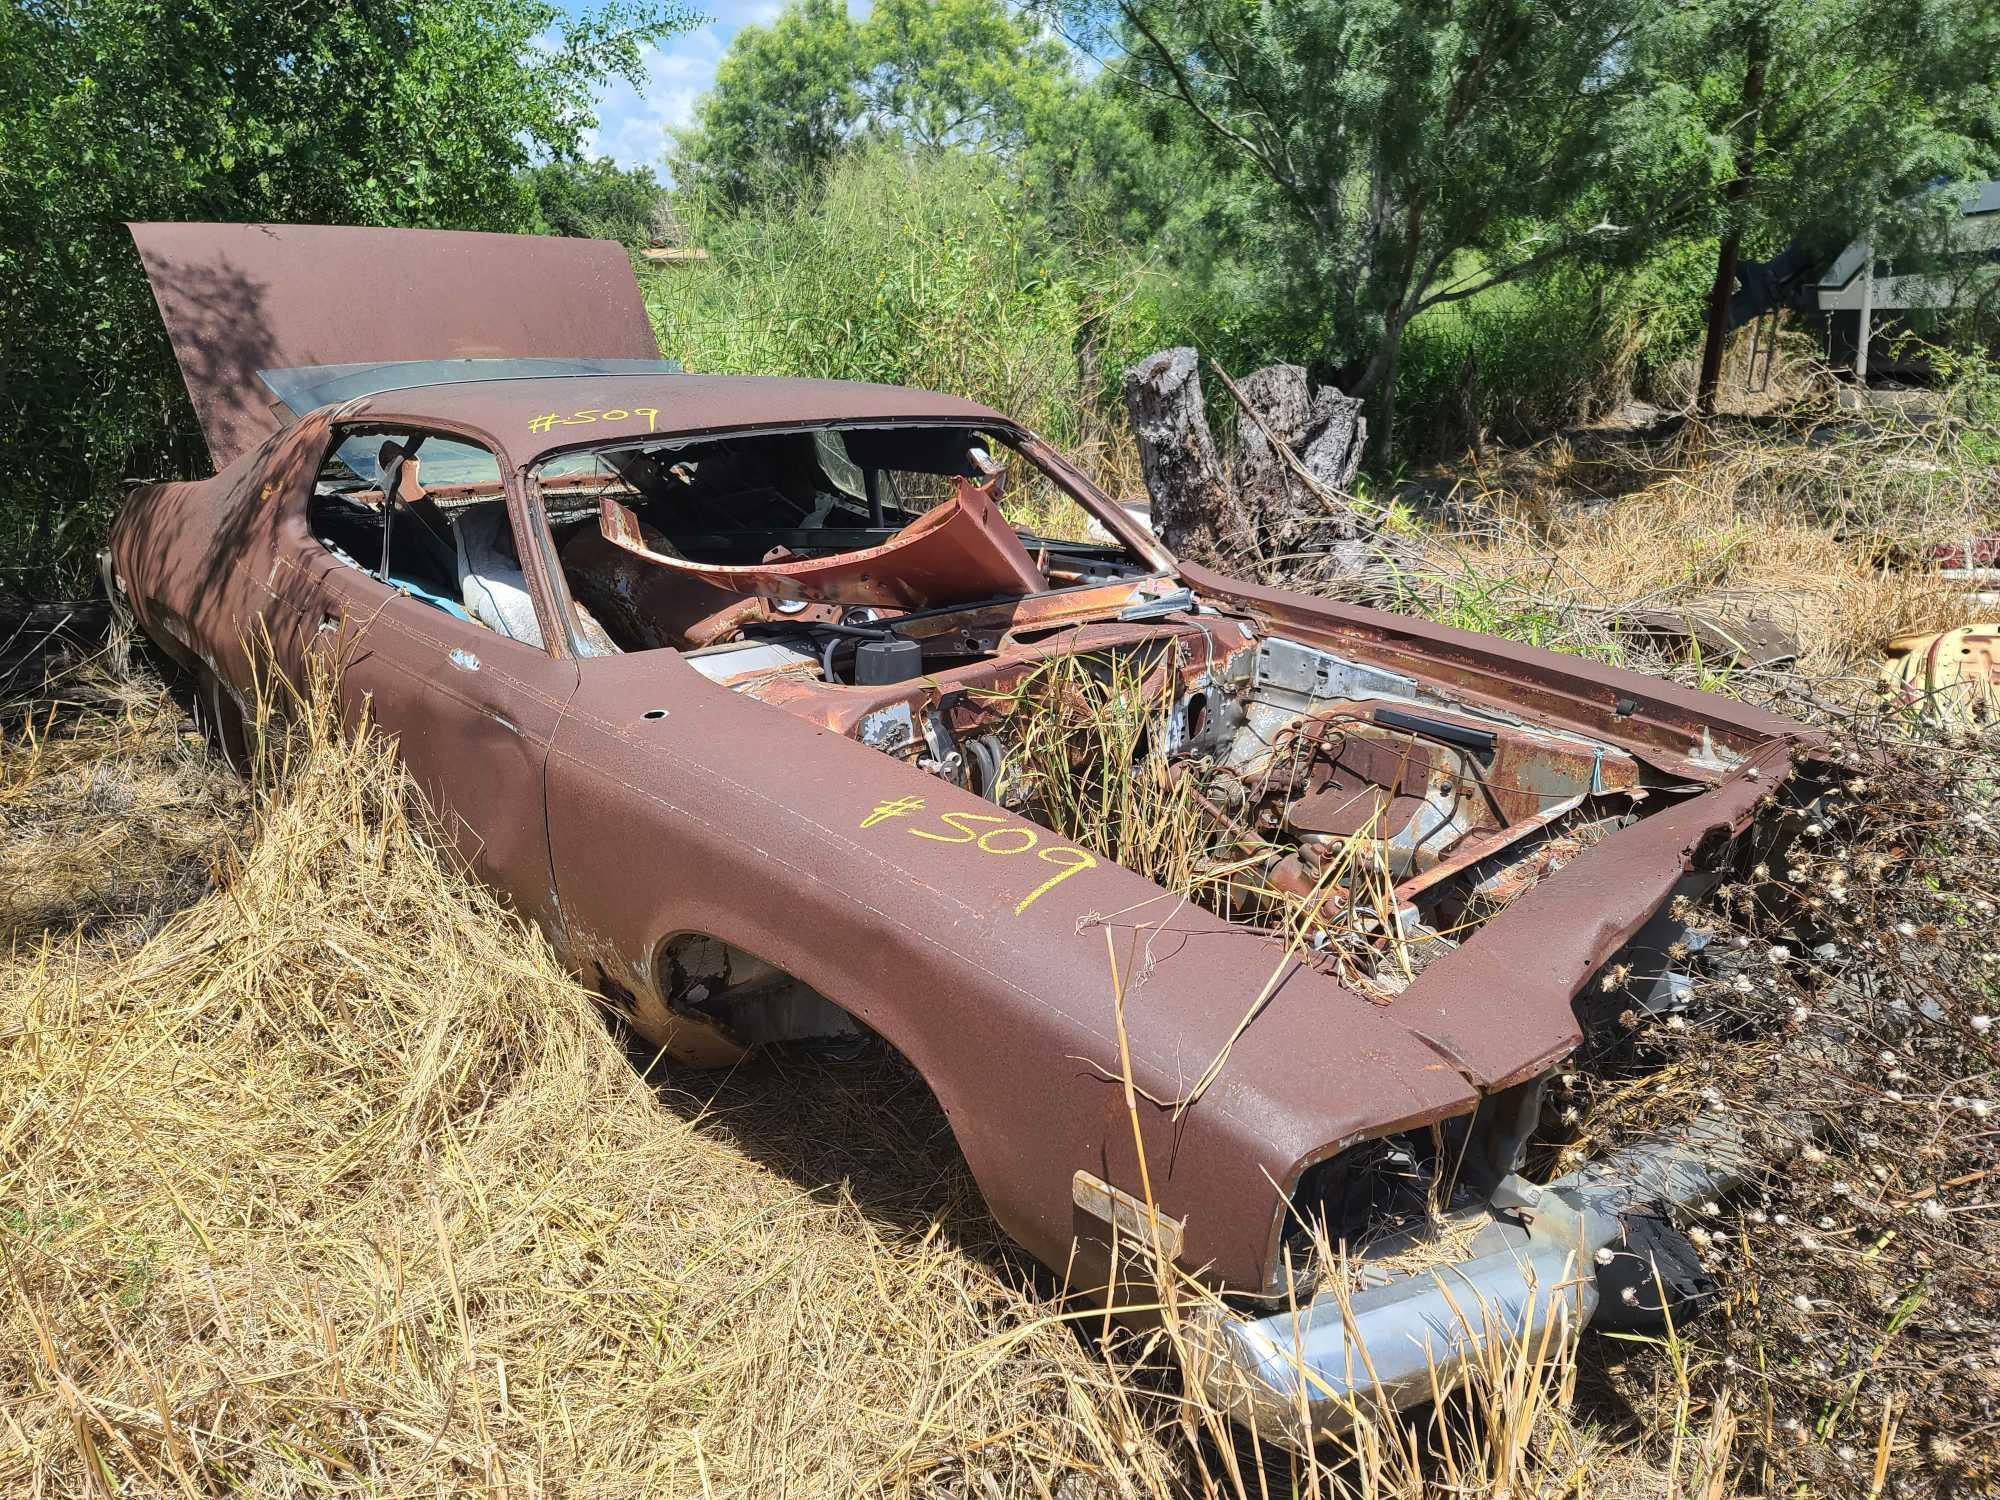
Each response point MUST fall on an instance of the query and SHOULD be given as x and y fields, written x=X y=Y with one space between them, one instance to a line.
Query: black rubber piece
x=880 y=662
x=1462 y=735
x=1650 y=1241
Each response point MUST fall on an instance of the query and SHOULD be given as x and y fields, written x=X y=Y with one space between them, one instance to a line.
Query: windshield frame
x=1143 y=547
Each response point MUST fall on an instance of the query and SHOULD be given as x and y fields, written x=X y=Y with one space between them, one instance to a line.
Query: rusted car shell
x=673 y=805
x=625 y=801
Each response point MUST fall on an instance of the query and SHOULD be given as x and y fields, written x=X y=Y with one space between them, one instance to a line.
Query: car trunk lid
x=238 y=299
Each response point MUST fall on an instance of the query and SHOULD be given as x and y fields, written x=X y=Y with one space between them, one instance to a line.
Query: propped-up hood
x=241 y=298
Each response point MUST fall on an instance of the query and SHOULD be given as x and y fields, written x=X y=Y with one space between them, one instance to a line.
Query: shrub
x=1525 y=358
x=911 y=270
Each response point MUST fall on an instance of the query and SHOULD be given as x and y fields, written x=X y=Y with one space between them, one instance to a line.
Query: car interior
x=765 y=504
x=447 y=542
x=760 y=500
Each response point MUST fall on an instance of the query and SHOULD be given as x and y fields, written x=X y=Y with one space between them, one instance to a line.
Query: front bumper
x=1531 y=1277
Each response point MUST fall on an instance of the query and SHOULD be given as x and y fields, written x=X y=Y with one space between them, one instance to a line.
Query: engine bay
x=889 y=584
x=1369 y=820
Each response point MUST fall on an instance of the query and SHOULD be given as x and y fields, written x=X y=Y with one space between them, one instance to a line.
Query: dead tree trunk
x=1193 y=510
x=1326 y=434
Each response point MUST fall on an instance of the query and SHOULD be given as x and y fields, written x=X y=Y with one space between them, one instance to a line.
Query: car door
x=472 y=711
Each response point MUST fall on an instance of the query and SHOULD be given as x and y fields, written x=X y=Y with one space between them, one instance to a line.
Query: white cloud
x=632 y=123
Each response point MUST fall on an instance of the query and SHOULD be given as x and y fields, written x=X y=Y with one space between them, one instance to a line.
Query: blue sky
x=632 y=122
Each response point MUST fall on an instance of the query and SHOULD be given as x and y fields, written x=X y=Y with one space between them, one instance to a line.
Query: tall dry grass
x=331 y=1181
x=1087 y=737
x=338 y=1182
x=110 y=811
x=1815 y=524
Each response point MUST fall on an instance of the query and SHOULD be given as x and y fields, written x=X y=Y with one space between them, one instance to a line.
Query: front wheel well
x=748 y=999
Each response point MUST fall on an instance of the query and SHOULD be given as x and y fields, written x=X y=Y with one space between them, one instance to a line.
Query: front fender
x=676 y=805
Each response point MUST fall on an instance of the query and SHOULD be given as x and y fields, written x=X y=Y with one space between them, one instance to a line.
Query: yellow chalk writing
x=548 y=421
x=1070 y=859
x=1009 y=837
x=902 y=807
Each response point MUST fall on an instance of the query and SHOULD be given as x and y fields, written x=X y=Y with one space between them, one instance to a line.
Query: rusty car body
x=719 y=713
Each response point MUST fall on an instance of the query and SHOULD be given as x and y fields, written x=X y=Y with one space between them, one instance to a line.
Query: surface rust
x=240 y=298
x=623 y=800
x=962 y=550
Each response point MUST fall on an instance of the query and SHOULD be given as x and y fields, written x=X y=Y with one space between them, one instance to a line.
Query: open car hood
x=238 y=299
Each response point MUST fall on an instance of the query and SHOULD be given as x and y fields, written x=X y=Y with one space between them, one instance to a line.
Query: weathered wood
x=1297 y=451
x=1276 y=406
x=1193 y=510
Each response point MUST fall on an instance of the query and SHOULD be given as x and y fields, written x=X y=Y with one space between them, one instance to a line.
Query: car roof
x=530 y=418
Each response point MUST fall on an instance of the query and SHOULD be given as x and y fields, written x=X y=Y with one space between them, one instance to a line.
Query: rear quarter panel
x=204 y=562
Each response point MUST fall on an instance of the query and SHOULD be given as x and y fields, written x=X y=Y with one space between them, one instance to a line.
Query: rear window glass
x=355 y=463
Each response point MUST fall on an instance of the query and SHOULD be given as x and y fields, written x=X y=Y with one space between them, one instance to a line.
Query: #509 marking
x=1007 y=838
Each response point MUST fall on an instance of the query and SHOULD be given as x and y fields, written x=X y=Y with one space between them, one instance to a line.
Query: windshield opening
x=689 y=543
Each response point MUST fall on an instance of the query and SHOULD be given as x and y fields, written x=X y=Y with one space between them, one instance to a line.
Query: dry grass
x=1811 y=521
x=1088 y=735
x=331 y=1181
x=338 y=1182
x=109 y=809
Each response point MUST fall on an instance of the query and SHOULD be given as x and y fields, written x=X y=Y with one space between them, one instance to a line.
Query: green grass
x=924 y=272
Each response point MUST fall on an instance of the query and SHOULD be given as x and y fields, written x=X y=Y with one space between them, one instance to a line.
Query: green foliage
x=599 y=200
x=1516 y=363
x=928 y=75
x=1377 y=145
x=316 y=112
x=1827 y=119
x=1511 y=608
x=786 y=97
x=914 y=271
x=1865 y=102
x=1555 y=351
x=1369 y=160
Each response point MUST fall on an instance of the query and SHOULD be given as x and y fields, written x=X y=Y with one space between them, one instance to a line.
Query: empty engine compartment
x=1367 y=820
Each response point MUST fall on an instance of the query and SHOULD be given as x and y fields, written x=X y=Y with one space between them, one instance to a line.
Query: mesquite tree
x=1399 y=155
x=1411 y=152
x=1832 y=118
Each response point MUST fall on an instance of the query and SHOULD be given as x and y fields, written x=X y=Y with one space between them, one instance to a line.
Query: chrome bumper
x=1531 y=1275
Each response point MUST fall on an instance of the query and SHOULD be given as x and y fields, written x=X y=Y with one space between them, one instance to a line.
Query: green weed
x=923 y=272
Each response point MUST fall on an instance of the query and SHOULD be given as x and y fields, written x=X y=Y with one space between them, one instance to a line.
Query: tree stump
x=1269 y=509
x=1193 y=510
x=1325 y=431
